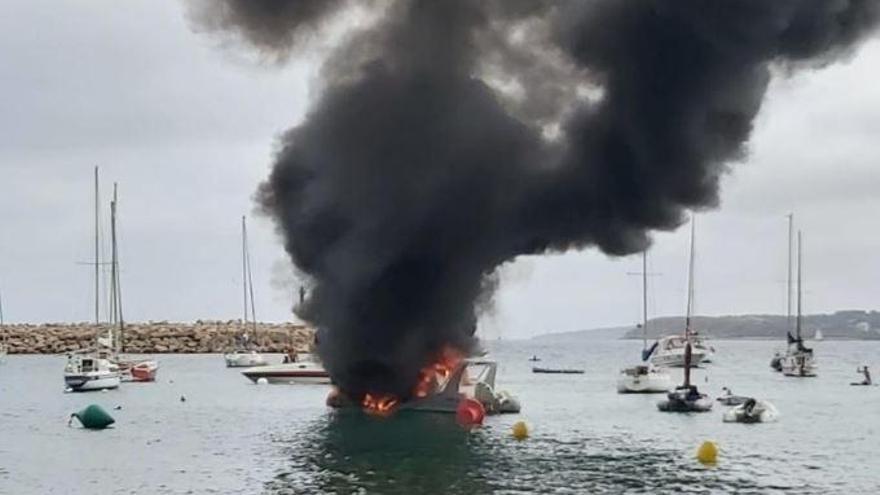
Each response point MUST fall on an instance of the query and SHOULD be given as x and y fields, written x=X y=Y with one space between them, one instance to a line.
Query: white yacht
x=241 y=358
x=305 y=368
x=644 y=377
x=87 y=372
x=799 y=360
x=670 y=352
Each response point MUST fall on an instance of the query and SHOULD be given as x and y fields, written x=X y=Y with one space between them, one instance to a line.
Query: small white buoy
x=262 y=381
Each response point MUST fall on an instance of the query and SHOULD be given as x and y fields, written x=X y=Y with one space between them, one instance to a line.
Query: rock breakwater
x=157 y=337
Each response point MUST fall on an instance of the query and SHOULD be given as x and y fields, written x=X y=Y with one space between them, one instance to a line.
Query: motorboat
x=305 y=368
x=670 y=353
x=752 y=411
x=87 y=372
x=685 y=398
x=241 y=358
x=563 y=371
x=643 y=379
x=138 y=371
x=729 y=399
x=472 y=378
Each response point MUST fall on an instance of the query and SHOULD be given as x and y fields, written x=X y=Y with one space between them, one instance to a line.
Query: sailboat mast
x=690 y=293
x=97 y=259
x=790 y=282
x=116 y=292
x=244 y=270
x=644 y=299
x=250 y=282
x=799 y=285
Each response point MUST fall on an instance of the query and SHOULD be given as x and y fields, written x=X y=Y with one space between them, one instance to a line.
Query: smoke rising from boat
x=450 y=137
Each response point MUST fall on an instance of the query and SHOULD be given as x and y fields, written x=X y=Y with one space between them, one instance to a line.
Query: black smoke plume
x=451 y=136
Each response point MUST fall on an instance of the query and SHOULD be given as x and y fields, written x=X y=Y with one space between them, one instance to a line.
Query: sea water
x=231 y=436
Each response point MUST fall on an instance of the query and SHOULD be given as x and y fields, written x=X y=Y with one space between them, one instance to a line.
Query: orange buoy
x=470 y=413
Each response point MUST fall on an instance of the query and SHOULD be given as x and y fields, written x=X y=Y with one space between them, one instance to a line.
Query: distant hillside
x=842 y=325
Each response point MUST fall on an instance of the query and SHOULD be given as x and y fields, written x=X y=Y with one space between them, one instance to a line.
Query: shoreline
x=157 y=337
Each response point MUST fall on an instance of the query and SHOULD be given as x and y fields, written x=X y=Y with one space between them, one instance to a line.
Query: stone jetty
x=157 y=337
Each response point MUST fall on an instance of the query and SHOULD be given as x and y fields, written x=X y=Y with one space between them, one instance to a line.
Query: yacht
x=89 y=371
x=670 y=352
x=242 y=358
x=644 y=377
x=305 y=368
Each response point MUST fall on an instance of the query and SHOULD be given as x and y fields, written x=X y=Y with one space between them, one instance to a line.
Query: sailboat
x=686 y=397
x=799 y=360
x=776 y=361
x=644 y=377
x=131 y=370
x=243 y=355
x=93 y=369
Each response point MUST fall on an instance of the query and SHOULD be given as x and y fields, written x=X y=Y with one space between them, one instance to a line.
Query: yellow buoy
x=520 y=430
x=707 y=453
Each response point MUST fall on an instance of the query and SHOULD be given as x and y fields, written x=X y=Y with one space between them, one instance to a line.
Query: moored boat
x=244 y=355
x=305 y=369
x=686 y=397
x=88 y=372
x=799 y=361
x=644 y=378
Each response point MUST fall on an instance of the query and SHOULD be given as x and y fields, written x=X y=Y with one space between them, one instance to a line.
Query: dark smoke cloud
x=427 y=161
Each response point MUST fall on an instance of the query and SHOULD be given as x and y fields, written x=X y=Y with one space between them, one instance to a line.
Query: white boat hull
x=654 y=382
x=291 y=373
x=85 y=382
x=244 y=359
x=761 y=412
x=799 y=365
x=674 y=358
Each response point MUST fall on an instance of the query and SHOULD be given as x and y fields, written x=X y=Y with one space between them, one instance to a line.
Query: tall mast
x=244 y=270
x=799 y=285
x=789 y=283
x=690 y=293
x=250 y=282
x=115 y=278
x=97 y=259
x=1 y=308
x=644 y=299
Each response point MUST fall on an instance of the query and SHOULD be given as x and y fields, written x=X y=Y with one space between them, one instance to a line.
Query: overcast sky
x=186 y=125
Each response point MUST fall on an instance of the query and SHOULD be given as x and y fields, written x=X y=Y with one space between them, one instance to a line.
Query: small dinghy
x=565 y=371
x=728 y=399
x=752 y=411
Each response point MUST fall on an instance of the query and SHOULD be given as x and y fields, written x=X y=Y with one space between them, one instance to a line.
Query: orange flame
x=434 y=375
x=379 y=405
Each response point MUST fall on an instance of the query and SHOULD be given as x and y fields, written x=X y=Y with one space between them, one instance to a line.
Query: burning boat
x=441 y=388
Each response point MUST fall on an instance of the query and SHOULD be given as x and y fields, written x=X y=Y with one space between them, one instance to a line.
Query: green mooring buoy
x=93 y=417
